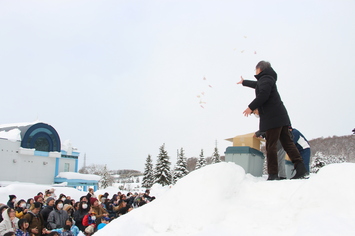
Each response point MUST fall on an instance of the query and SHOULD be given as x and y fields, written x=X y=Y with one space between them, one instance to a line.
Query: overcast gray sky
x=120 y=78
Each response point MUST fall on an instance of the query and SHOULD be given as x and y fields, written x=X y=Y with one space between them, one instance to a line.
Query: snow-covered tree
x=201 y=162
x=162 y=174
x=181 y=166
x=148 y=175
x=320 y=160
x=106 y=178
x=215 y=156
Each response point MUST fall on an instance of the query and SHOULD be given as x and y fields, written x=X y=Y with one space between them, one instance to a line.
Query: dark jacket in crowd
x=272 y=111
x=10 y=203
x=45 y=213
x=78 y=218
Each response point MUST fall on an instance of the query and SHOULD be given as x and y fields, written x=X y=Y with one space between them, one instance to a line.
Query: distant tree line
x=163 y=174
x=324 y=151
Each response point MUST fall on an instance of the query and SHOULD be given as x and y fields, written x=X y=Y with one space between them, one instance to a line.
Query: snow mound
x=221 y=199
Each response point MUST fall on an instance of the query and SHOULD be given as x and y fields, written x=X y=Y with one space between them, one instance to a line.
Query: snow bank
x=221 y=199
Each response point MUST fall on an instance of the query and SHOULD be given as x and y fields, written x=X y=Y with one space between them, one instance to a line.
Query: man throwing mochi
x=274 y=120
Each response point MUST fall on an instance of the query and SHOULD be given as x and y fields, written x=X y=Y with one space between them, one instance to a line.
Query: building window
x=42 y=144
x=66 y=167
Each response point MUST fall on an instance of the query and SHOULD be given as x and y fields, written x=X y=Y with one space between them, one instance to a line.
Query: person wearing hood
x=58 y=216
x=11 y=202
x=10 y=222
x=35 y=220
x=2 y=209
x=274 y=119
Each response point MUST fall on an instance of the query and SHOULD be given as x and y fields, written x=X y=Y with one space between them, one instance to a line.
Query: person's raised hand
x=241 y=80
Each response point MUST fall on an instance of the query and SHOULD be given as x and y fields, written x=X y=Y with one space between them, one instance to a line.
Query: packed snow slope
x=220 y=199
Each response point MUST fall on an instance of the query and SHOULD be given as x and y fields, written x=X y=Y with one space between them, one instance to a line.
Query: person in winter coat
x=10 y=222
x=29 y=202
x=21 y=209
x=35 y=220
x=274 y=119
x=58 y=216
x=2 y=209
x=91 y=194
x=70 y=227
x=89 y=221
x=47 y=210
x=80 y=213
x=302 y=145
x=98 y=209
x=11 y=202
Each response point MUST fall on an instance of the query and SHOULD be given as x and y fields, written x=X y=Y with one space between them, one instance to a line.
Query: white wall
x=24 y=168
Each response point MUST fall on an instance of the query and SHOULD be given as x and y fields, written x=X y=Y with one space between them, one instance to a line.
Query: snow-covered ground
x=221 y=199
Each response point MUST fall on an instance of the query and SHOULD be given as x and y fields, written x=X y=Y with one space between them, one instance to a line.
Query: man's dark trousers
x=282 y=134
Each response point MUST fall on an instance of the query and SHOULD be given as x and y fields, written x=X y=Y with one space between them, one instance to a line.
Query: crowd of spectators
x=47 y=214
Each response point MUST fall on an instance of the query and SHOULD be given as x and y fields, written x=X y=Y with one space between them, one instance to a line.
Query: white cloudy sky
x=120 y=78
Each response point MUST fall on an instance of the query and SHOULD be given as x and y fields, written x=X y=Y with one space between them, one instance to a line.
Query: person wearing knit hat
x=38 y=198
x=93 y=200
x=49 y=200
x=47 y=209
x=97 y=208
x=11 y=202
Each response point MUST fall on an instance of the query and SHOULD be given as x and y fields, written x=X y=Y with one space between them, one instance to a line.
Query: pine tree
x=162 y=174
x=215 y=156
x=181 y=166
x=106 y=178
x=148 y=175
x=201 y=162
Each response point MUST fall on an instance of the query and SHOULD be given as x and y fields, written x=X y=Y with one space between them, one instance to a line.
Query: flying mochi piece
x=210 y=86
x=201 y=106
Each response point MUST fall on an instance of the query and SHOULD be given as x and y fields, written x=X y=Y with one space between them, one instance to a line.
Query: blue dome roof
x=38 y=136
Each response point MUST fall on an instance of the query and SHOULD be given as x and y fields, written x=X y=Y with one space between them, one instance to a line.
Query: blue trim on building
x=56 y=173
x=41 y=153
x=76 y=165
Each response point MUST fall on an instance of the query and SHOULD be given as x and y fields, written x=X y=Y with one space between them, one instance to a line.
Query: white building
x=32 y=152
